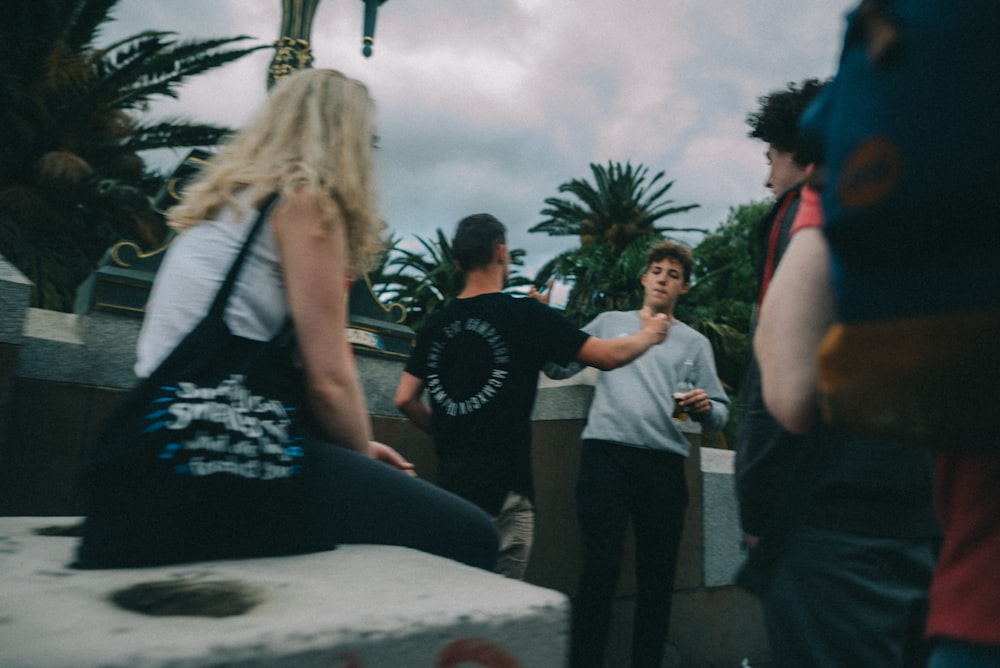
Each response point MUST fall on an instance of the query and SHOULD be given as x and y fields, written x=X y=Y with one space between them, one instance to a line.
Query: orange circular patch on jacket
x=870 y=173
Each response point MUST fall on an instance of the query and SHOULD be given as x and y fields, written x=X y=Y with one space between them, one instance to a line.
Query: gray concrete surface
x=357 y=606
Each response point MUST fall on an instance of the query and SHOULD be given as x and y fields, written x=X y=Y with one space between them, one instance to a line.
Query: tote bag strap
x=222 y=298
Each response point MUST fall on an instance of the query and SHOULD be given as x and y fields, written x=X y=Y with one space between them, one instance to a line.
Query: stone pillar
x=15 y=295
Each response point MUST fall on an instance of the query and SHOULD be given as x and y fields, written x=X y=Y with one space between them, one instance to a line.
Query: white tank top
x=191 y=274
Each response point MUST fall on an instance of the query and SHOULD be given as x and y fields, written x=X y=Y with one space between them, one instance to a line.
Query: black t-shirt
x=480 y=359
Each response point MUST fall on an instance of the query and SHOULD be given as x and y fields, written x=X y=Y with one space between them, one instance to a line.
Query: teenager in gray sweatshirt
x=632 y=463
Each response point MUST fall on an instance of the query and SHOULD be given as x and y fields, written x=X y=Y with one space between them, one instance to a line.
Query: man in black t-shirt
x=479 y=359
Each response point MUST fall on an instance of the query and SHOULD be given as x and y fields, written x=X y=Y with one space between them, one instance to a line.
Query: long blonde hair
x=316 y=128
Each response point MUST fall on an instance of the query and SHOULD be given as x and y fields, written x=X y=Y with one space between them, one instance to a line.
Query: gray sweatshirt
x=632 y=404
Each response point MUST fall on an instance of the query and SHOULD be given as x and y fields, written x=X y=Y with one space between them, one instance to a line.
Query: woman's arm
x=314 y=259
x=796 y=314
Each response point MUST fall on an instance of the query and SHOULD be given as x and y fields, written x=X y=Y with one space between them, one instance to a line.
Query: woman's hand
x=388 y=455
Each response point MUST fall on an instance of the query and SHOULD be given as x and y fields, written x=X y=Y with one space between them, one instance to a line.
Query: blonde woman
x=304 y=164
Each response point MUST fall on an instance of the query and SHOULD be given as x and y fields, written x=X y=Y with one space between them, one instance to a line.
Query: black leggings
x=142 y=516
x=365 y=501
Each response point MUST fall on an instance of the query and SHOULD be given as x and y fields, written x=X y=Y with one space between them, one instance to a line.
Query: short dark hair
x=476 y=239
x=777 y=120
x=662 y=250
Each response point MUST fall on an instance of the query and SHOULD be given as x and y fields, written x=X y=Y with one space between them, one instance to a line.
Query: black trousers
x=618 y=483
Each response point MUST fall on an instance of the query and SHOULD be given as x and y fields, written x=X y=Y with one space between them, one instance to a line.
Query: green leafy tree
x=723 y=294
x=72 y=181
x=425 y=280
x=602 y=279
x=721 y=301
x=616 y=219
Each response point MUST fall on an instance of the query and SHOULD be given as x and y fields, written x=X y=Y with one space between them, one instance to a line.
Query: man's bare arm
x=608 y=354
x=410 y=403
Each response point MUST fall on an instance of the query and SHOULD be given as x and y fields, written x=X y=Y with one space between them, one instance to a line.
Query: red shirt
x=965 y=592
x=810 y=213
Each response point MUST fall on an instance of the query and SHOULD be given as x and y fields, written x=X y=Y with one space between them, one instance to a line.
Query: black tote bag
x=207 y=458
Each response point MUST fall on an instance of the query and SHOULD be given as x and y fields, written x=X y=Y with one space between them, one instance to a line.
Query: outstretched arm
x=608 y=354
x=796 y=314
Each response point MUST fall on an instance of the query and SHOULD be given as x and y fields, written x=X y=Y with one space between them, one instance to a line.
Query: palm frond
x=153 y=66
x=85 y=20
x=71 y=135
x=173 y=133
x=620 y=206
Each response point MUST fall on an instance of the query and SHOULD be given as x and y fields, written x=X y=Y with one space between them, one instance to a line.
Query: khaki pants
x=516 y=523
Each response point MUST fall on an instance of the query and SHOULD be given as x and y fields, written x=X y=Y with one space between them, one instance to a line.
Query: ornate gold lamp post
x=292 y=51
x=371 y=10
x=374 y=328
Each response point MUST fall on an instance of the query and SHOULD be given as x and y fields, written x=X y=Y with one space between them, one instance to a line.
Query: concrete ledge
x=565 y=399
x=724 y=554
x=356 y=607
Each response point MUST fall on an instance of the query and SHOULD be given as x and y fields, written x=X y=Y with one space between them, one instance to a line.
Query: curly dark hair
x=777 y=120
x=673 y=250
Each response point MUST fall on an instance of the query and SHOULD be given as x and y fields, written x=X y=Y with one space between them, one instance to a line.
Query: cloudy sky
x=489 y=105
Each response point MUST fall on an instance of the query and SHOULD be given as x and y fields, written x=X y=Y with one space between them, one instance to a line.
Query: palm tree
x=616 y=220
x=71 y=180
x=618 y=209
x=602 y=279
x=424 y=281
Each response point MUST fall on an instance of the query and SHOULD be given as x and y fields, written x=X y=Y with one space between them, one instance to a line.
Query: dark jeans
x=958 y=654
x=341 y=497
x=618 y=483
x=839 y=599
x=364 y=501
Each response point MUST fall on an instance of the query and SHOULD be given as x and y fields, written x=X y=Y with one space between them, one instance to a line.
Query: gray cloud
x=489 y=106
